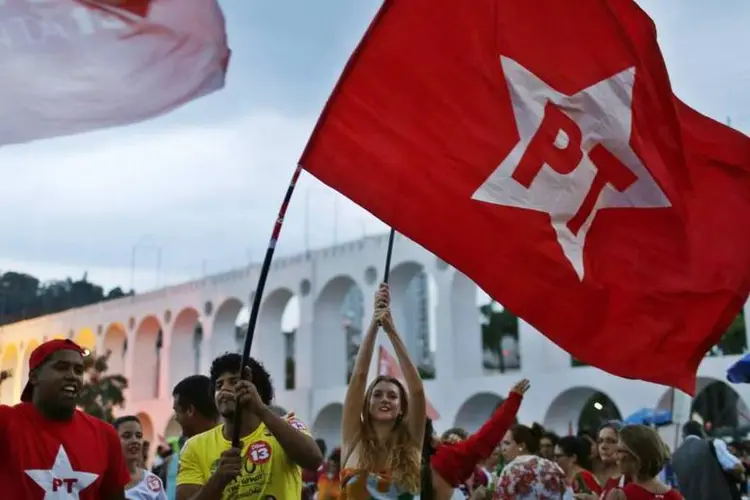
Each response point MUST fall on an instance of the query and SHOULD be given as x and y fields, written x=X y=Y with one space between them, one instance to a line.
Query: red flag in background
x=538 y=148
x=387 y=365
x=71 y=66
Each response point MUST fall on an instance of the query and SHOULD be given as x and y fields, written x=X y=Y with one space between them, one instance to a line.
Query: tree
x=734 y=340
x=23 y=296
x=101 y=392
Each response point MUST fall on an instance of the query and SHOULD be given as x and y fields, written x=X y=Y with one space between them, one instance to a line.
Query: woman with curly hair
x=382 y=426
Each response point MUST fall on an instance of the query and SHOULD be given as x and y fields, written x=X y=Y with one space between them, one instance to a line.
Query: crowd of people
x=389 y=450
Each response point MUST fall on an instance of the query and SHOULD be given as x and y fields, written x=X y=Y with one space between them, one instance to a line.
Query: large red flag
x=387 y=365
x=71 y=66
x=538 y=147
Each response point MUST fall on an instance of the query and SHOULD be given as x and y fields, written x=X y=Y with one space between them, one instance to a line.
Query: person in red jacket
x=450 y=465
x=49 y=448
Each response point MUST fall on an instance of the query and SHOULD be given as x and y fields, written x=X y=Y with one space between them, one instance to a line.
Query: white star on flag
x=62 y=482
x=600 y=118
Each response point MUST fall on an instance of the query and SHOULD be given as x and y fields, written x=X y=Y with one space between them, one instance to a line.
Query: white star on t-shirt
x=61 y=482
x=602 y=114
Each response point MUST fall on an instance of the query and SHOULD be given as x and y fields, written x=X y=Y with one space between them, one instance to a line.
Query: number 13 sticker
x=259 y=453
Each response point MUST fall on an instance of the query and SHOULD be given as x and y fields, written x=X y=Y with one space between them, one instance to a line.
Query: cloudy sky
x=202 y=185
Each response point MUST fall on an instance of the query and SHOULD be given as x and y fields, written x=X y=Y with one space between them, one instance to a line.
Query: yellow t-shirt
x=268 y=473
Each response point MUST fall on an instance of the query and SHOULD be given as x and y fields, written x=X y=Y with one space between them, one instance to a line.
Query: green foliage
x=23 y=296
x=101 y=392
x=734 y=340
x=496 y=324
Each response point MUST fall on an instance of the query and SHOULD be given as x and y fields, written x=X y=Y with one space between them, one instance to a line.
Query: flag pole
x=259 y=294
x=388 y=255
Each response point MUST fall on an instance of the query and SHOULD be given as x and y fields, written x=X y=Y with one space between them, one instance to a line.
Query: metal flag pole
x=388 y=255
x=259 y=294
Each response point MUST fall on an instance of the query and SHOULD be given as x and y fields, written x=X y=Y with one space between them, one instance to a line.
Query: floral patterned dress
x=530 y=477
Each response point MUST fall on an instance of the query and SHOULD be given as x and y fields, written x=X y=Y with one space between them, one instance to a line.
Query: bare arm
x=417 y=400
x=301 y=448
x=355 y=392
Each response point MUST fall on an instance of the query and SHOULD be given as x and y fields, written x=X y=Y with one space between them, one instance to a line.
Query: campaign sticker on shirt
x=297 y=423
x=259 y=453
x=153 y=483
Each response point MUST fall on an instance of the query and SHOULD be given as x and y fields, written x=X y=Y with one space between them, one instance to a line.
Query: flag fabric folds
x=72 y=66
x=538 y=148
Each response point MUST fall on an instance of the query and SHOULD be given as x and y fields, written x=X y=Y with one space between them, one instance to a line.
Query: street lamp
x=146 y=241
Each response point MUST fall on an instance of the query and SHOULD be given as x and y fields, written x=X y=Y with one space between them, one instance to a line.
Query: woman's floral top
x=530 y=477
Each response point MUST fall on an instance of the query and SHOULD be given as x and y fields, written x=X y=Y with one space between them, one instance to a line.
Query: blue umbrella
x=739 y=373
x=649 y=416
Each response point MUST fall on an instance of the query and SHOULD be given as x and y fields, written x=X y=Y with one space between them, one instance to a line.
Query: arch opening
x=278 y=321
x=720 y=408
x=327 y=425
x=184 y=346
x=413 y=305
x=145 y=379
x=147 y=426
x=115 y=343
x=230 y=324
x=86 y=339
x=9 y=362
x=33 y=344
x=476 y=410
x=580 y=408
x=173 y=429
x=337 y=330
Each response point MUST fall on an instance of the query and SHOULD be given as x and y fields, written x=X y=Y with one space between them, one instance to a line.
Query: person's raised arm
x=351 y=420
x=455 y=462
x=417 y=399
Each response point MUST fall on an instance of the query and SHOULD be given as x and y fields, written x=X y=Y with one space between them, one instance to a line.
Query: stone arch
x=147 y=427
x=173 y=429
x=184 y=354
x=270 y=343
x=580 y=407
x=145 y=377
x=224 y=332
x=29 y=348
x=331 y=330
x=9 y=361
x=719 y=405
x=327 y=425
x=413 y=310
x=115 y=342
x=476 y=410
x=86 y=338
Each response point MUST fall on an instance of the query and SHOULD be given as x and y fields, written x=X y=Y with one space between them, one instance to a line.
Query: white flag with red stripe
x=387 y=365
x=72 y=66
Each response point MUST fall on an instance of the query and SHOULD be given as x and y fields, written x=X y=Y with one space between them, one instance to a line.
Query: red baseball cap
x=40 y=355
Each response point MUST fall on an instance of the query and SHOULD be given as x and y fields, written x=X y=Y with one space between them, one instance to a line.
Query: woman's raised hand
x=383 y=306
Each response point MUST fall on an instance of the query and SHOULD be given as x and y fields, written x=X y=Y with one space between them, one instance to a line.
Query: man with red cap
x=49 y=449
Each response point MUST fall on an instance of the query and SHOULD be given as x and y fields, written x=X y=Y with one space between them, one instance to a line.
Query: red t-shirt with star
x=79 y=458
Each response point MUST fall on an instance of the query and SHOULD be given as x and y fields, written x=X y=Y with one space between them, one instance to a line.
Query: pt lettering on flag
x=539 y=149
x=71 y=66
